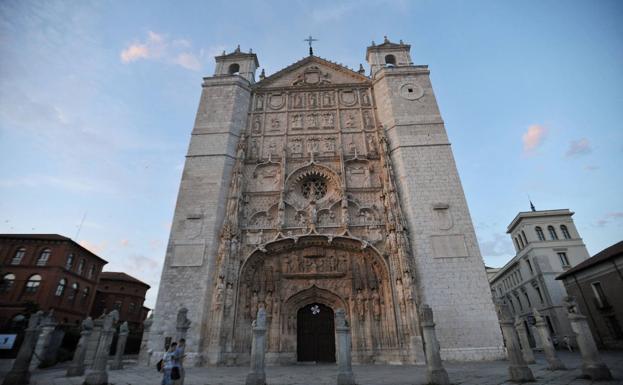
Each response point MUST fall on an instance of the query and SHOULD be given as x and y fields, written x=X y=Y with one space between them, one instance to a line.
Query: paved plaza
x=481 y=373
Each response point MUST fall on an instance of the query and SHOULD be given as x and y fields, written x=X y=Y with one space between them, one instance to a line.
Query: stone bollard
x=77 y=364
x=345 y=374
x=46 y=328
x=93 y=341
x=518 y=369
x=435 y=372
x=548 y=346
x=19 y=374
x=99 y=375
x=117 y=362
x=526 y=350
x=592 y=365
x=257 y=376
x=144 y=356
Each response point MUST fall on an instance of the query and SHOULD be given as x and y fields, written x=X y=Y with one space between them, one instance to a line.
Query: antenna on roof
x=531 y=204
x=80 y=226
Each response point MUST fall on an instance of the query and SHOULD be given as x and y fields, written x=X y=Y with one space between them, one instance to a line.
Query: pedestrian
x=567 y=341
x=169 y=361
x=179 y=353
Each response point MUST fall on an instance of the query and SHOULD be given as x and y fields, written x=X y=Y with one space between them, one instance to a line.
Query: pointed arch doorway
x=315 y=333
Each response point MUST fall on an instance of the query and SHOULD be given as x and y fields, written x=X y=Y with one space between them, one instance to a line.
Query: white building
x=547 y=244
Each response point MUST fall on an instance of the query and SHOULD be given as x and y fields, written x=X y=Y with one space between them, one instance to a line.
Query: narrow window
x=521 y=242
x=70 y=262
x=7 y=282
x=530 y=266
x=60 y=288
x=563 y=259
x=565 y=232
x=92 y=271
x=519 y=302
x=550 y=325
x=600 y=296
x=33 y=283
x=614 y=326
x=512 y=305
x=538 y=291
x=85 y=295
x=132 y=308
x=523 y=235
x=44 y=257
x=234 y=69
x=552 y=232
x=19 y=255
x=539 y=233
x=117 y=305
x=390 y=61
x=81 y=266
x=527 y=299
x=517 y=244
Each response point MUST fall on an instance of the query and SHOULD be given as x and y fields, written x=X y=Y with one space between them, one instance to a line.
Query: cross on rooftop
x=310 y=39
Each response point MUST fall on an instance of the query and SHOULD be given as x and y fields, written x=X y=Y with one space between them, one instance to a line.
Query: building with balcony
x=547 y=244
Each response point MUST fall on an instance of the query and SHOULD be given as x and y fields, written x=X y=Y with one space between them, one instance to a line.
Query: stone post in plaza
x=77 y=364
x=592 y=365
x=19 y=373
x=518 y=369
x=99 y=375
x=144 y=356
x=526 y=350
x=93 y=341
x=257 y=376
x=46 y=328
x=553 y=361
x=345 y=374
x=117 y=362
x=435 y=372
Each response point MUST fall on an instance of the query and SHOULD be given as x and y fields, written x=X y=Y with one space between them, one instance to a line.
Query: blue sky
x=97 y=100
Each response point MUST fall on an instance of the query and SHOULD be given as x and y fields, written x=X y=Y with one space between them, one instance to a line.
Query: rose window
x=314 y=188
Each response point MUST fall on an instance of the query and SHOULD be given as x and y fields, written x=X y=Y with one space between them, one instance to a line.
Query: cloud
x=95 y=248
x=591 y=167
x=533 y=138
x=612 y=216
x=124 y=242
x=578 y=148
x=158 y=47
x=333 y=12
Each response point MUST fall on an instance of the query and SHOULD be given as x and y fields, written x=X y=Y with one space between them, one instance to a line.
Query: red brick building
x=49 y=271
x=124 y=293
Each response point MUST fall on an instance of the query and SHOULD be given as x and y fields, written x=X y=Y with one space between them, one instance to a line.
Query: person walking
x=567 y=341
x=169 y=362
x=179 y=353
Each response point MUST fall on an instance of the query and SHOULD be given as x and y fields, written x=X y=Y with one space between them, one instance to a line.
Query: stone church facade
x=314 y=189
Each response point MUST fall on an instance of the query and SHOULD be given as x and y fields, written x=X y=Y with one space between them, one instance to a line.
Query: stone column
x=435 y=372
x=592 y=365
x=526 y=350
x=47 y=326
x=144 y=356
x=77 y=364
x=257 y=376
x=345 y=374
x=518 y=370
x=99 y=375
x=117 y=362
x=19 y=373
x=93 y=341
x=548 y=346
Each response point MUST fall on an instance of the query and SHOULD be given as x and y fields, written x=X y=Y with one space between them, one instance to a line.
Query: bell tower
x=237 y=63
x=388 y=54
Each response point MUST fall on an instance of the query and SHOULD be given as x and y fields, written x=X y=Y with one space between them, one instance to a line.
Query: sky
x=97 y=101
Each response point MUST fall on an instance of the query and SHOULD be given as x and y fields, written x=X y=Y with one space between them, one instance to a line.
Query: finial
x=238 y=48
x=250 y=50
x=224 y=53
x=401 y=41
x=532 y=206
x=385 y=39
x=373 y=43
x=262 y=75
x=361 y=69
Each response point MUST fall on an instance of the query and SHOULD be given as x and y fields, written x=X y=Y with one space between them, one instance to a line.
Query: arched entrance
x=315 y=333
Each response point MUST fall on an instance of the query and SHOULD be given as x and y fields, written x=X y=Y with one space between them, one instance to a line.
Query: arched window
x=85 y=295
x=92 y=271
x=81 y=266
x=552 y=232
x=33 y=284
x=44 y=257
x=390 y=61
x=19 y=255
x=517 y=244
x=7 y=282
x=523 y=235
x=70 y=262
x=565 y=232
x=539 y=233
x=234 y=69
x=521 y=242
x=60 y=289
x=74 y=291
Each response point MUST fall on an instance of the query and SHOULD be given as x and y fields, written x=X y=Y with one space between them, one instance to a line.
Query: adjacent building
x=547 y=244
x=48 y=272
x=123 y=293
x=597 y=284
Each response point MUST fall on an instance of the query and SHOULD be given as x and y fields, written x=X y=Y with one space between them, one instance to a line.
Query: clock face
x=411 y=91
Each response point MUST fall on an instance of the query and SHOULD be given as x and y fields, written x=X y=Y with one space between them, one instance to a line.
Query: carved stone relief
x=277 y=101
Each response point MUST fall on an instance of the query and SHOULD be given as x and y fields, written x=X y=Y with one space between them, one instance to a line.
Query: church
x=314 y=189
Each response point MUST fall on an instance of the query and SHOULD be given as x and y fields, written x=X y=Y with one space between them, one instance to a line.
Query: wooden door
x=315 y=333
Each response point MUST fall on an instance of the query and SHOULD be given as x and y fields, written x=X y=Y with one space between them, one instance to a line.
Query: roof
x=385 y=46
x=238 y=54
x=604 y=255
x=50 y=237
x=536 y=214
x=119 y=276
